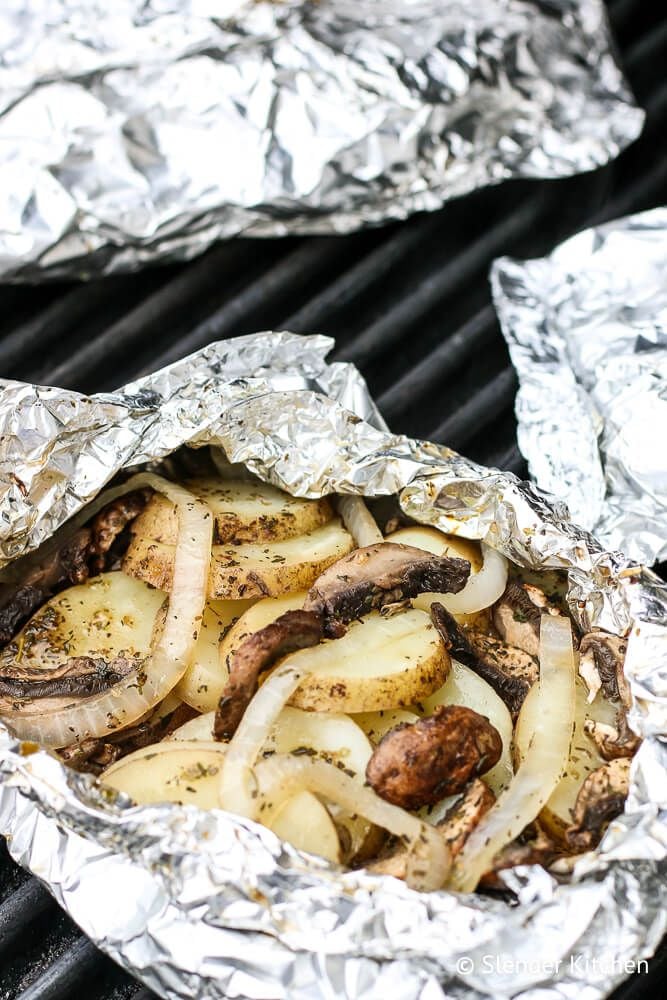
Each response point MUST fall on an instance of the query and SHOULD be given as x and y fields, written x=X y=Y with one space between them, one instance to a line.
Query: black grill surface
x=408 y=303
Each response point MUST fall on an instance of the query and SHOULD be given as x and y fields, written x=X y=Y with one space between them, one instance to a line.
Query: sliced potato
x=306 y=824
x=243 y=511
x=203 y=683
x=557 y=814
x=256 y=617
x=109 y=615
x=440 y=544
x=379 y=663
x=251 y=569
x=187 y=773
x=378 y=724
x=464 y=687
x=200 y=728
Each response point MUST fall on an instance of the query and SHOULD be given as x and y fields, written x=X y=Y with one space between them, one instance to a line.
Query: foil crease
x=208 y=905
x=587 y=332
x=145 y=129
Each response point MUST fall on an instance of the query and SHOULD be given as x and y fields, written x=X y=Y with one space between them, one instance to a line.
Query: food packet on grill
x=211 y=903
x=142 y=131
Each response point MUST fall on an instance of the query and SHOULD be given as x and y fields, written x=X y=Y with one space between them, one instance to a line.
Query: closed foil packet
x=203 y=904
x=587 y=332
x=143 y=130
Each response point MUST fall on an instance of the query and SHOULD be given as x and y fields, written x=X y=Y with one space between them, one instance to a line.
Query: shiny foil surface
x=206 y=905
x=142 y=130
x=587 y=332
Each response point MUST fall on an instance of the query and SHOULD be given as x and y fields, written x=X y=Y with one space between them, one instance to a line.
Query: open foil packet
x=587 y=332
x=143 y=130
x=207 y=905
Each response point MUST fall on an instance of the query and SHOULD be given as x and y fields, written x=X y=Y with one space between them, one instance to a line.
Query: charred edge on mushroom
x=511 y=672
x=80 y=676
x=94 y=755
x=601 y=798
x=293 y=630
x=517 y=615
x=419 y=764
x=89 y=551
x=377 y=575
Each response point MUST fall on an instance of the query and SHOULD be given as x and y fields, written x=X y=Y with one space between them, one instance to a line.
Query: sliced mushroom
x=293 y=630
x=456 y=826
x=378 y=575
x=517 y=616
x=601 y=799
x=419 y=764
x=613 y=741
x=79 y=676
x=511 y=672
x=602 y=656
x=109 y=524
x=539 y=850
x=94 y=755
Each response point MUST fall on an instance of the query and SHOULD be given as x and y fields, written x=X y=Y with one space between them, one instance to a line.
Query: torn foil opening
x=205 y=904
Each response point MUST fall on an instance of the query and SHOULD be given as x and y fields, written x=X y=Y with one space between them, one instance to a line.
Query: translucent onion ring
x=283 y=775
x=141 y=690
x=483 y=588
x=543 y=766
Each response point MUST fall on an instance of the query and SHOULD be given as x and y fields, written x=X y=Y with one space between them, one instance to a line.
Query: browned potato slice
x=243 y=512
x=379 y=663
x=556 y=816
x=252 y=569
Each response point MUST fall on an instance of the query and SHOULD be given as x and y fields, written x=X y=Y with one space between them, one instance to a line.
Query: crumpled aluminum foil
x=145 y=129
x=587 y=332
x=208 y=905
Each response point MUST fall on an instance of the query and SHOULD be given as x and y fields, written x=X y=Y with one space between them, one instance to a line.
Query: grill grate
x=408 y=303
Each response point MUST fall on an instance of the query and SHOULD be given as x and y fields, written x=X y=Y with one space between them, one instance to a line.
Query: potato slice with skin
x=306 y=824
x=188 y=773
x=440 y=544
x=243 y=512
x=379 y=663
x=203 y=682
x=464 y=687
x=260 y=614
x=556 y=815
x=251 y=569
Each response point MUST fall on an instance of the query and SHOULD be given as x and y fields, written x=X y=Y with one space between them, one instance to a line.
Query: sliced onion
x=359 y=521
x=543 y=766
x=283 y=775
x=140 y=691
x=483 y=588
x=238 y=793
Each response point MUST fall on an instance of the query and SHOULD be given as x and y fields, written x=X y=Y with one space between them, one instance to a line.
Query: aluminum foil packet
x=206 y=905
x=143 y=130
x=587 y=331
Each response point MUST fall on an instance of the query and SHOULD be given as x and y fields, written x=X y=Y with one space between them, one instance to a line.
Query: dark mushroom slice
x=456 y=826
x=539 y=850
x=418 y=764
x=78 y=677
x=110 y=523
x=93 y=756
x=379 y=575
x=517 y=615
x=601 y=798
x=293 y=630
x=511 y=672
x=602 y=658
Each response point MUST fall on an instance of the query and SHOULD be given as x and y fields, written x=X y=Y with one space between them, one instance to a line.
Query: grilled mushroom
x=517 y=616
x=293 y=630
x=600 y=799
x=418 y=764
x=539 y=850
x=602 y=657
x=79 y=677
x=110 y=523
x=379 y=575
x=511 y=672
x=456 y=826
